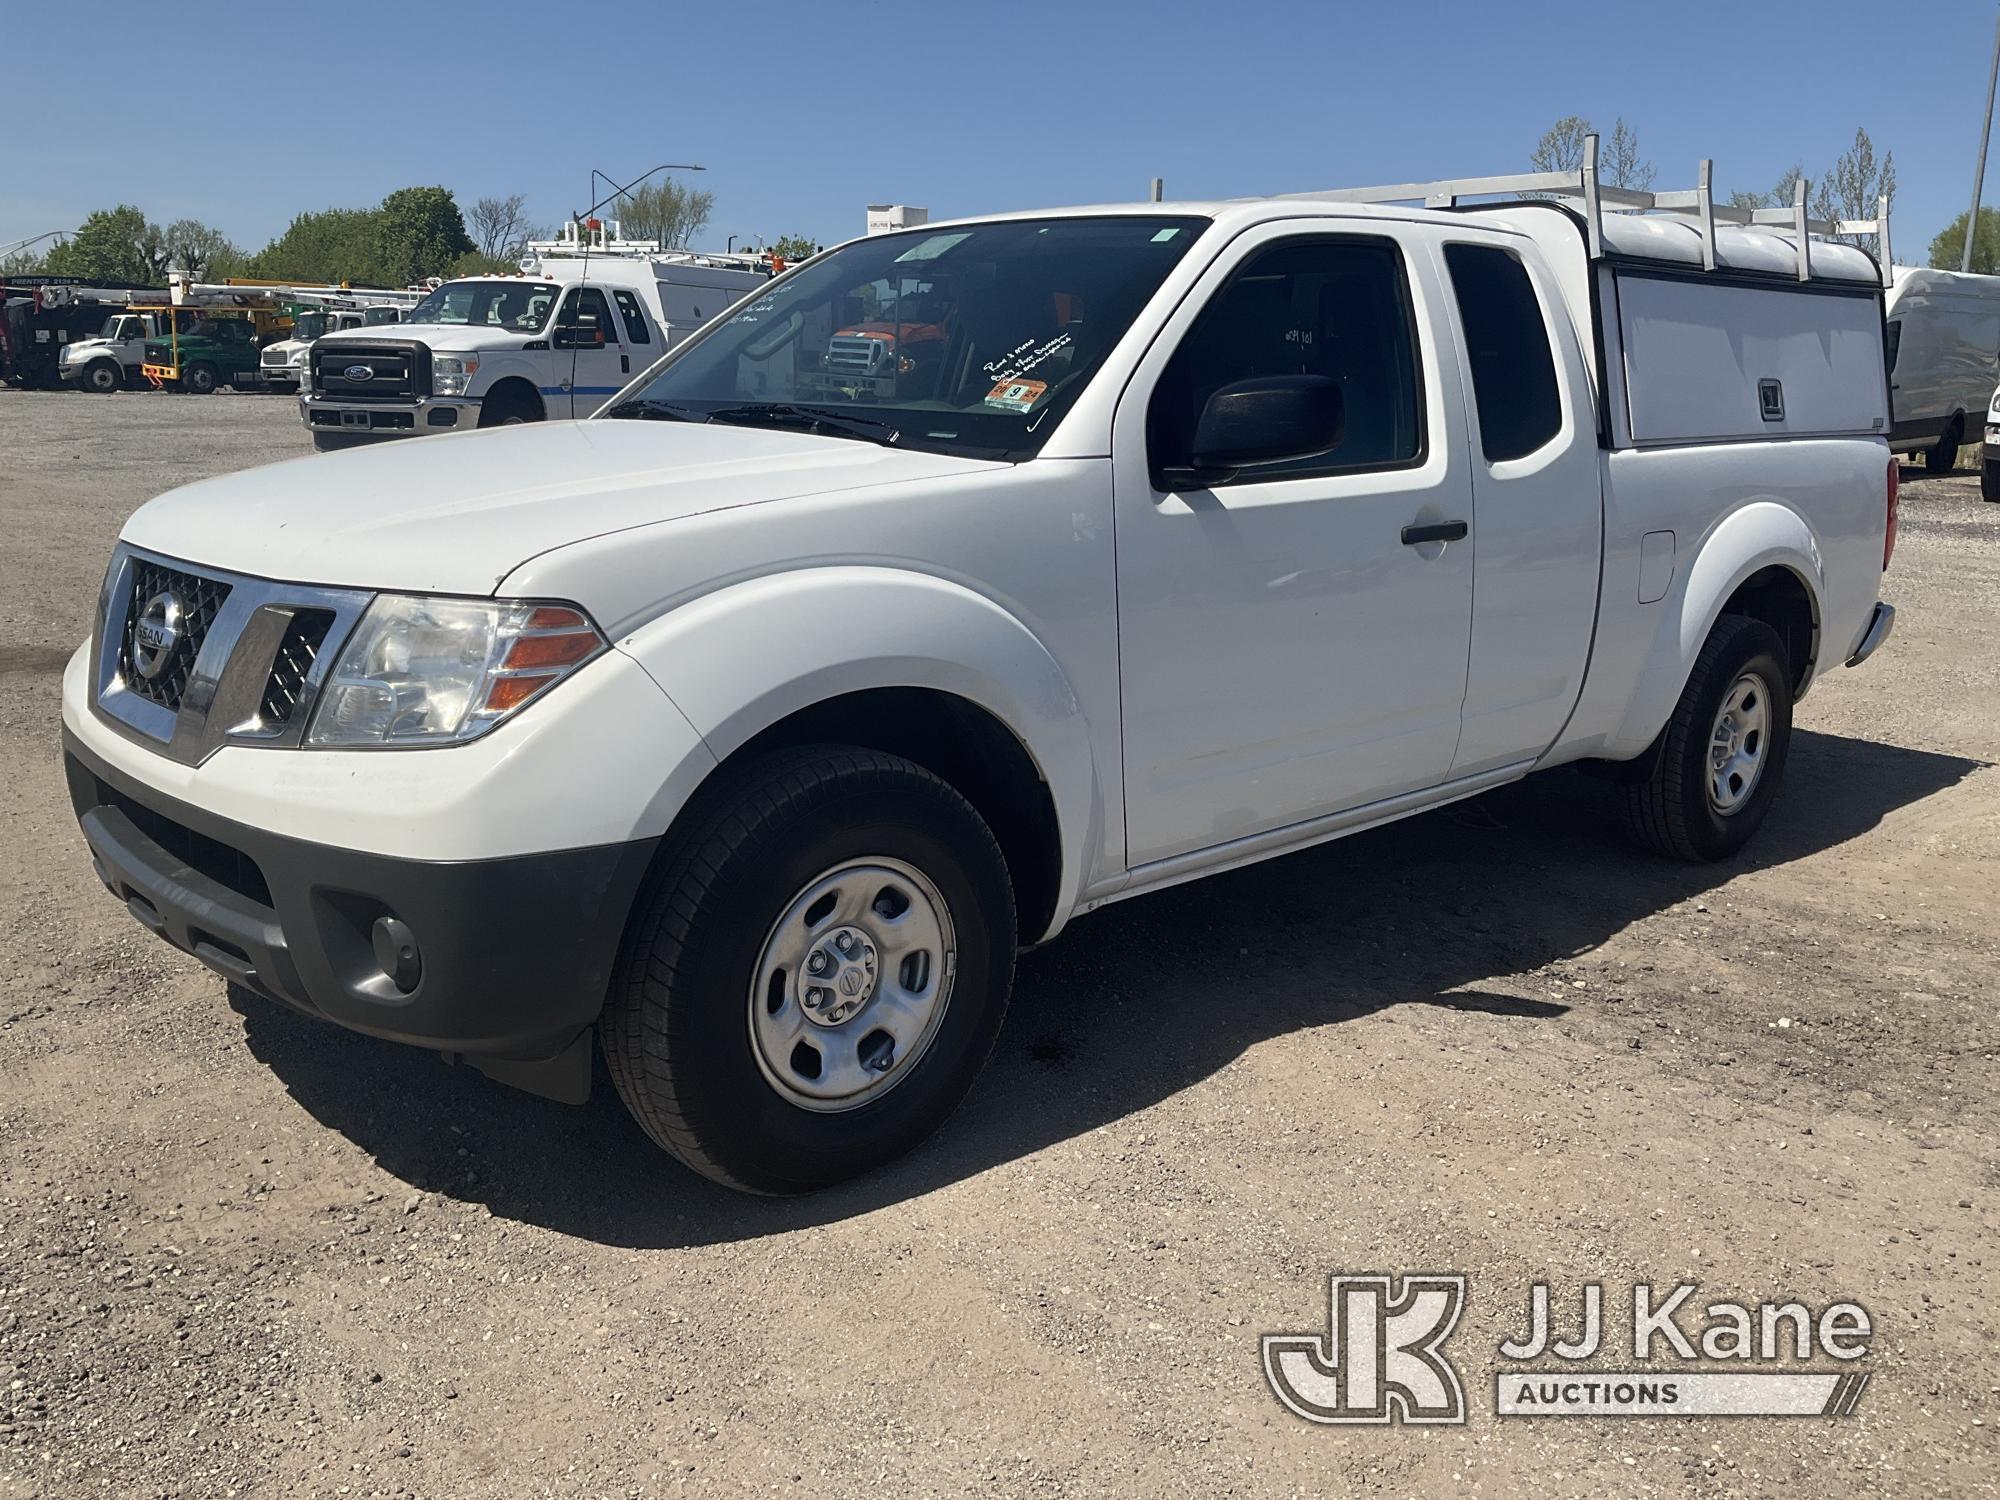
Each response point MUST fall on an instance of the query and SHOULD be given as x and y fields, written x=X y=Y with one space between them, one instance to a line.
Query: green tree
x=22 y=263
x=1949 y=247
x=113 y=244
x=794 y=247
x=1854 y=187
x=206 y=254
x=664 y=211
x=336 y=244
x=419 y=233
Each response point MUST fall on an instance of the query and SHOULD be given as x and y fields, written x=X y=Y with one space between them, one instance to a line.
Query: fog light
x=396 y=952
x=444 y=416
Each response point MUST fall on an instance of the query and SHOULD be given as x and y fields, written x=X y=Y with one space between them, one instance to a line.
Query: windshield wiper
x=809 y=419
x=657 y=410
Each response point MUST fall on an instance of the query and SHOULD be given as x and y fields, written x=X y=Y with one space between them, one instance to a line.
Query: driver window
x=585 y=312
x=1338 y=308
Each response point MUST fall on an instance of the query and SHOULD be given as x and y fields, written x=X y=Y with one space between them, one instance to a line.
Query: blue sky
x=804 y=113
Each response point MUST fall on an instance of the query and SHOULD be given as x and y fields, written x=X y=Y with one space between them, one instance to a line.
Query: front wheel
x=1718 y=762
x=199 y=380
x=816 y=973
x=103 y=376
x=1989 y=481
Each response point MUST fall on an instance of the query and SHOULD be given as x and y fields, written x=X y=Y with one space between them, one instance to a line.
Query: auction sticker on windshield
x=1017 y=395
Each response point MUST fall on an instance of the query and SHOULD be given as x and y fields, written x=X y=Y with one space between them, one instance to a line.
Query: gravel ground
x=248 y=1254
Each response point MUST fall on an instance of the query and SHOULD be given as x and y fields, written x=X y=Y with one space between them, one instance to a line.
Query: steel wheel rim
x=852 y=984
x=102 y=380
x=1739 y=743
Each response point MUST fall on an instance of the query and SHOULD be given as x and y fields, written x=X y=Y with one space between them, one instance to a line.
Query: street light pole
x=1979 y=172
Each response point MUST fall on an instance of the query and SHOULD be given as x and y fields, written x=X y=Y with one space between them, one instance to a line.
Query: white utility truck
x=282 y=364
x=1944 y=358
x=559 y=340
x=110 y=361
x=753 y=731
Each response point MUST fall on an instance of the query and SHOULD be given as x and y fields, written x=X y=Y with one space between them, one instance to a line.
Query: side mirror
x=1266 y=420
x=585 y=335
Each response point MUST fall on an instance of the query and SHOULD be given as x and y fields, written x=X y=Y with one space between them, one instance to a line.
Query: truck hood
x=446 y=336
x=457 y=514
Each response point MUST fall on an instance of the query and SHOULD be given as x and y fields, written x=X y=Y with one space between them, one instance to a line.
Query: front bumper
x=388 y=418
x=512 y=956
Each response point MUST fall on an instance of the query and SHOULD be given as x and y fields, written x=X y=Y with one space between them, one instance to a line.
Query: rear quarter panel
x=1814 y=506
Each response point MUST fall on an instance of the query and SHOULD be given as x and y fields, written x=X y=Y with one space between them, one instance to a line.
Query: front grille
x=296 y=654
x=395 y=371
x=854 y=355
x=196 y=600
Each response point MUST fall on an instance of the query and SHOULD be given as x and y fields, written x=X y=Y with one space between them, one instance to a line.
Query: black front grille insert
x=389 y=370
x=296 y=654
x=184 y=603
x=226 y=866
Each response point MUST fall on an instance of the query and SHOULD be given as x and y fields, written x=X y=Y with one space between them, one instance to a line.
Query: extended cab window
x=1507 y=345
x=1337 y=308
x=635 y=320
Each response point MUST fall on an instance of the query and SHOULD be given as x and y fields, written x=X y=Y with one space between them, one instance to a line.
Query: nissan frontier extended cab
x=751 y=726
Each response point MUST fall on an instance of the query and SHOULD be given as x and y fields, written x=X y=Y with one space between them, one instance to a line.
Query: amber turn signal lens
x=565 y=650
x=511 y=692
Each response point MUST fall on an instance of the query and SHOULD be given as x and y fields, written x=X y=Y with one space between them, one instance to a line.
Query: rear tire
x=1942 y=457
x=1718 y=763
x=103 y=376
x=706 y=1032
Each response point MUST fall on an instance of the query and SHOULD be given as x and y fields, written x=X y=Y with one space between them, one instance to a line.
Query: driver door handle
x=1437 y=531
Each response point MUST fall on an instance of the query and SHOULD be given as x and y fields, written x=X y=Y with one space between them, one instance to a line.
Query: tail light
x=1889 y=532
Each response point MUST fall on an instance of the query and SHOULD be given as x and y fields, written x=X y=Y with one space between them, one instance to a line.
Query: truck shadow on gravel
x=1130 y=1006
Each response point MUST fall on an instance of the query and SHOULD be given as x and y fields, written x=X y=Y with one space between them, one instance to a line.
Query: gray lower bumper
x=1879 y=626
x=389 y=418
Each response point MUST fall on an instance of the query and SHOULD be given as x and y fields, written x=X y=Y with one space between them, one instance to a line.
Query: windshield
x=971 y=340
x=376 y=317
x=519 y=306
x=309 y=326
x=114 y=328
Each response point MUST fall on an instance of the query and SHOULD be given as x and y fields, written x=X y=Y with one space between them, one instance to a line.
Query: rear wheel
x=816 y=973
x=199 y=380
x=1942 y=457
x=103 y=376
x=1718 y=762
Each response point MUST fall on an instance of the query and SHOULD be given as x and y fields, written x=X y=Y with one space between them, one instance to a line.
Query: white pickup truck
x=754 y=731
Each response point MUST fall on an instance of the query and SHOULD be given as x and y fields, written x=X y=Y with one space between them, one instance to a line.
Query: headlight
x=297 y=358
x=451 y=373
x=420 y=670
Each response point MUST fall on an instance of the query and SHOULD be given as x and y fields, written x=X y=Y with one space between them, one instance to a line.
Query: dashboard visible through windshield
x=969 y=340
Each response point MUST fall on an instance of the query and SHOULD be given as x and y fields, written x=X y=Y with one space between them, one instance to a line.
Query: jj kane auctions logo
x=1381 y=1358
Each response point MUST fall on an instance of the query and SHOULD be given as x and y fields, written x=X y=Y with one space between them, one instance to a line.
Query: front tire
x=1989 y=481
x=816 y=972
x=103 y=376
x=1719 y=761
x=508 y=408
x=199 y=380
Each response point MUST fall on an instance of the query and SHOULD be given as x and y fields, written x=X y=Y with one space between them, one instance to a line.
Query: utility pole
x=1979 y=172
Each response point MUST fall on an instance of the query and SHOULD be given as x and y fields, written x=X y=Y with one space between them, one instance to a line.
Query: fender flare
x=740 y=659
x=1760 y=535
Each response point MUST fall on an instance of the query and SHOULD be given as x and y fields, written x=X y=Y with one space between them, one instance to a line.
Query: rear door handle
x=1437 y=531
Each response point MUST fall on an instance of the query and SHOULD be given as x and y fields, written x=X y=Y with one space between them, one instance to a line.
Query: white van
x=1944 y=357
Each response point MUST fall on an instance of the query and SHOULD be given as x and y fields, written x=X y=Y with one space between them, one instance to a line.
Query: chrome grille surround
x=252 y=679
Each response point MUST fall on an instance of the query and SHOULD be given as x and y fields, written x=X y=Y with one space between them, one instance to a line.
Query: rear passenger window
x=1507 y=345
x=1337 y=308
x=635 y=321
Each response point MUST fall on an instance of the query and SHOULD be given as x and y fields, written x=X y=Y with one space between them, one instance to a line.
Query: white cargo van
x=751 y=726
x=1944 y=359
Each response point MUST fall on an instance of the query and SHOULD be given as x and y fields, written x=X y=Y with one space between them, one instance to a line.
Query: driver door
x=592 y=362
x=1291 y=644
